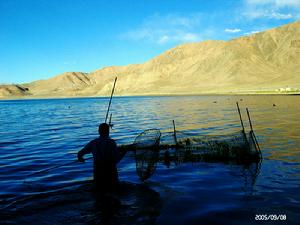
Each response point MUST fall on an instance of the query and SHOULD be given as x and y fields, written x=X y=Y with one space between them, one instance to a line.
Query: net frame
x=147 y=152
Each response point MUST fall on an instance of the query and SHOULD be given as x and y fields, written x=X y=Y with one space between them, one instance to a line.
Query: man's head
x=103 y=130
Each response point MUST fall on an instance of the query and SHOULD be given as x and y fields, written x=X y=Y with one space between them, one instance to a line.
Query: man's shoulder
x=109 y=140
x=112 y=141
x=94 y=141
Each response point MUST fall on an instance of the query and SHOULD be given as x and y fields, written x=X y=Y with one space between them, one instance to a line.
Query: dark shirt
x=106 y=156
x=104 y=150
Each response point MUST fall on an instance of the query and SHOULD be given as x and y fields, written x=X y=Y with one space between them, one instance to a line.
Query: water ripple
x=38 y=134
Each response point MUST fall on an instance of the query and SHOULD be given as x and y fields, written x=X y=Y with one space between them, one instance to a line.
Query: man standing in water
x=106 y=156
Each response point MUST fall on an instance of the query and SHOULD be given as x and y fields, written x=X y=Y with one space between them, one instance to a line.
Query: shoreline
x=145 y=95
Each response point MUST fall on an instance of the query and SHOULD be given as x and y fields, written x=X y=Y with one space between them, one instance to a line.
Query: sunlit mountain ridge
x=263 y=62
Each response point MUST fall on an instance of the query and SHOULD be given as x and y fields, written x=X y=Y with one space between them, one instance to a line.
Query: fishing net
x=147 y=139
x=239 y=147
x=147 y=152
x=235 y=146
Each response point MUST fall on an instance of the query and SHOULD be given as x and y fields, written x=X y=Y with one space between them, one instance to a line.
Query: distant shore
x=32 y=97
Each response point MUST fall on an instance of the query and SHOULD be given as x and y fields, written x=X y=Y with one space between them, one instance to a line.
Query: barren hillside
x=264 y=61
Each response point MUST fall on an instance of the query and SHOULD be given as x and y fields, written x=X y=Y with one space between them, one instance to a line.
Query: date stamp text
x=270 y=217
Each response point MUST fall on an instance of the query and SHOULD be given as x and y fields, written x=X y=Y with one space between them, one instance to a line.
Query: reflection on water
x=147 y=160
x=37 y=134
x=132 y=204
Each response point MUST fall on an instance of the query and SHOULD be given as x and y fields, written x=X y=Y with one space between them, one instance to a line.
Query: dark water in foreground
x=37 y=134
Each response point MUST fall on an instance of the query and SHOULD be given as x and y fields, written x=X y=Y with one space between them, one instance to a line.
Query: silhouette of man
x=106 y=156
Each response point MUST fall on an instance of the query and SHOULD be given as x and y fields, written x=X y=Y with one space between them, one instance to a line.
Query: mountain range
x=267 y=61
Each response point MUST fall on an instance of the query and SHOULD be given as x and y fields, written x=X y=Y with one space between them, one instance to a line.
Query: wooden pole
x=174 y=129
x=254 y=136
x=54 y=167
x=70 y=163
x=109 y=123
x=244 y=133
x=112 y=93
x=238 y=107
x=250 y=122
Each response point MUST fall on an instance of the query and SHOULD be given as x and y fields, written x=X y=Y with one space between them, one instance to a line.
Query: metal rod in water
x=112 y=93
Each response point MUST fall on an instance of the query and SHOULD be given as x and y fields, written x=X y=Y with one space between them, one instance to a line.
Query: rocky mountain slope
x=264 y=61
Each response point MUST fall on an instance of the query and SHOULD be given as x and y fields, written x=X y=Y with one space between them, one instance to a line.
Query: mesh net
x=147 y=139
x=239 y=147
x=147 y=152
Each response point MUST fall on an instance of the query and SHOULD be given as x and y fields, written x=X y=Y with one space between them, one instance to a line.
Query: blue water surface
x=37 y=134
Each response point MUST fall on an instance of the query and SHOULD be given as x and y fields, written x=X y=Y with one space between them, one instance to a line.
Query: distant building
x=287 y=89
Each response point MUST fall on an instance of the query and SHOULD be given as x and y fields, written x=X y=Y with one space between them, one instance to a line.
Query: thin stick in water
x=174 y=129
x=250 y=122
x=54 y=167
x=112 y=93
x=238 y=107
x=109 y=123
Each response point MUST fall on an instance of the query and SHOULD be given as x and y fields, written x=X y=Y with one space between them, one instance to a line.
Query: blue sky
x=43 y=38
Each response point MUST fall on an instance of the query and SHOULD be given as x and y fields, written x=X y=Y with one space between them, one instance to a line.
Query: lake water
x=37 y=134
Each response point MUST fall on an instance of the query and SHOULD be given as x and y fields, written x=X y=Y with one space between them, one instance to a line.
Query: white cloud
x=190 y=37
x=178 y=37
x=235 y=30
x=251 y=32
x=163 y=39
x=138 y=34
x=280 y=16
x=166 y=29
x=276 y=3
x=268 y=14
x=272 y=9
